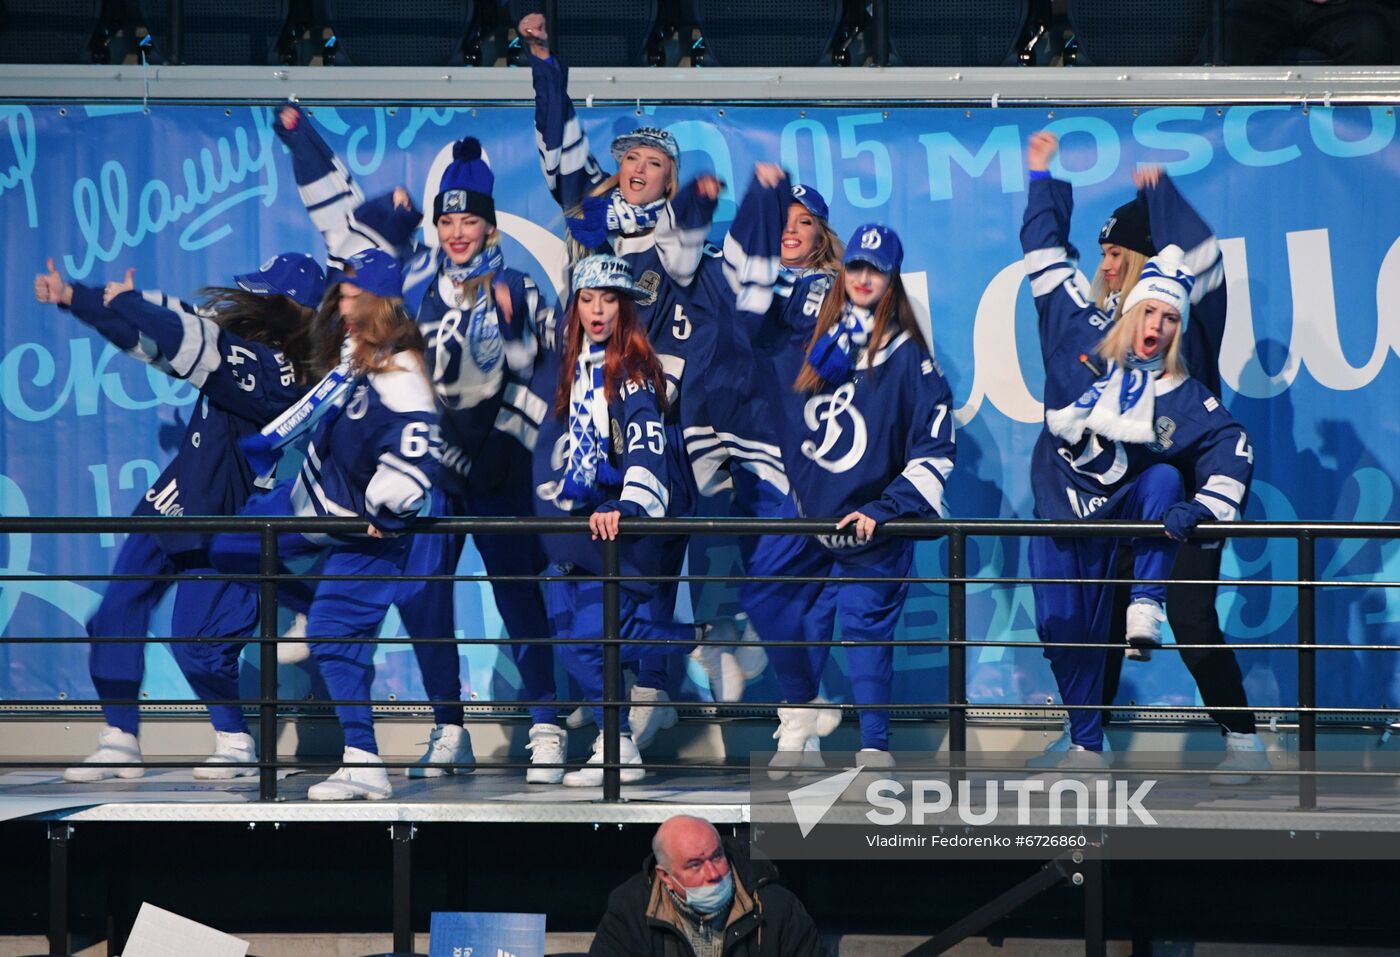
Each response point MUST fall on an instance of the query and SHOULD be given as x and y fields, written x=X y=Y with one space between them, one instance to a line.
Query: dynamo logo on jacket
x=827 y=413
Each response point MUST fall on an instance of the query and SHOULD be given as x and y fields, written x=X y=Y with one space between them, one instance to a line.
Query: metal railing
x=957 y=533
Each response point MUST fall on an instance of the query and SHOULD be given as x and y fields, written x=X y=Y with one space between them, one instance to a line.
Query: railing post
x=267 y=663
x=1307 y=669
x=60 y=939
x=612 y=672
x=957 y=635
x=175 y=26
x=881 y=23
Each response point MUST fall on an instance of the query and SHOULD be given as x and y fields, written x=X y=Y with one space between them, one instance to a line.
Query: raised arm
x=347 y=222
x=682 y=226
x=753 y=246
x=87 y=304
x=570 y=170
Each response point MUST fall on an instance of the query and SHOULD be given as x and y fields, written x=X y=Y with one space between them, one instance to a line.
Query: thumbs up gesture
x=49 y=287
x=114 y=289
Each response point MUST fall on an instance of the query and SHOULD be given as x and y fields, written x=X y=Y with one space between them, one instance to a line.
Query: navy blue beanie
x=466 y=184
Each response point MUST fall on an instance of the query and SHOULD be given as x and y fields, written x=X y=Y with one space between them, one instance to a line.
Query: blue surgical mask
x=710 y=898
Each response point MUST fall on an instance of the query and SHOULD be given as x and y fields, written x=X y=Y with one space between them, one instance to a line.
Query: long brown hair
x=628 y=357
x=276 y=321
x=893 y=308
x=388 y=329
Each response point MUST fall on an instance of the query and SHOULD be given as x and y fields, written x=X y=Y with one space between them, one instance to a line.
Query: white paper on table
x=159 y=933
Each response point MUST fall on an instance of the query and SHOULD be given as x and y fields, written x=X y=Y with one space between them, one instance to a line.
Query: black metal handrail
x=957 y=532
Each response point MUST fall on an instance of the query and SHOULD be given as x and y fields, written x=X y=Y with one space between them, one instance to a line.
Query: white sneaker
x=646 y=720
x=725 y=676
x=749 y=655
x=113 y=745
x=294 y=652
x=799 y=735
x=592 y=777
x=363 y=776
x=547 y=746
x=580 y=717
x=231 y=748
x=1245 y=757
x=448 y=744
x=1077 y=764
x=1058 y=747
x=1144 y=632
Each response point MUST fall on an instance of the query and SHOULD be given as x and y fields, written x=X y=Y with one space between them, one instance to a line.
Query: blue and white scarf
x=834 y=354
x=611 y=215
x=489 y=259
x=589 y=433
x=1119 y=406
x=788 y=278
x=265 y=448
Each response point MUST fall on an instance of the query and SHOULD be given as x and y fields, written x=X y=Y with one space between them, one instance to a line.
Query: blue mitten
x=1183 y=517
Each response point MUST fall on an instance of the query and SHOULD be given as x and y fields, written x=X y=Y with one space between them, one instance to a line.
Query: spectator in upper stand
x=1347 y=32
x=698 y=894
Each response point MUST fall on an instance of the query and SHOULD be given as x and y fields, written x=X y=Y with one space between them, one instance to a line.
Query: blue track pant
x=576 y=611
x=1068 y=616
x=339 y=610
x=807 y=611
x=427 y=607
x=203 y=609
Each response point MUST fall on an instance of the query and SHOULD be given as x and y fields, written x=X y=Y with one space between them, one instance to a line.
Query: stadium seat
x=48 y=31
x=956 y=32
x=768 y=33
x=599 y=32
x=216 y=32
x=1138 y=32
x=404 y=33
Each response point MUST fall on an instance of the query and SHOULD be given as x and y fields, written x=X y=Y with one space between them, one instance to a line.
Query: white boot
x=362 y=776
x=1077 y=764
x=448 y=744
x=646 y=720
x=547 y=745
x=113 y=745
x=1144 y=632
x=294 y=651
x=749 y=654
x=580 y=717
x=725 y=676
x=590 y=776
x=1245 y=757
x=1051 y=757
x=231 y=748
x=799 y=733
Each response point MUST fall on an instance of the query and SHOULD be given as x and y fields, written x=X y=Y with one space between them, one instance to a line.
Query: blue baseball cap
x=294 y=275
x=811 y=199
x=606 y=272
x=376 y=272
x=877 y=245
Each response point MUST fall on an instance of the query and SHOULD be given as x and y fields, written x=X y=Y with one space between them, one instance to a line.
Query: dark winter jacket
x=765 y=919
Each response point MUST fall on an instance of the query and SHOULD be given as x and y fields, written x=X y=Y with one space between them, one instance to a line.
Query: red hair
x=629 y=357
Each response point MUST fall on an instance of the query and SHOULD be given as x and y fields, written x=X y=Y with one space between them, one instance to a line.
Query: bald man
x=700 y=896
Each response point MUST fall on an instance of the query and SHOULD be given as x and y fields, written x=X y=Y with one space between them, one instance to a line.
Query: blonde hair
x=577 y=250
x=1133 y=261
x=1118 y=342
x=472 y=287
x=826 y=257
x=893 y=310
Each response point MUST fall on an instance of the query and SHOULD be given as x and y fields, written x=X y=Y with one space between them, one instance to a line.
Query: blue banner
x=486 y=935
x=1303 y=200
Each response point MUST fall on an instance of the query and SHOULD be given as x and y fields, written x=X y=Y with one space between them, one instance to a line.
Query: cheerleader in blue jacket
x=1123 y=419
x=867 y=436
x=602 y=453
x=478 y=318
x=372 y=424
x=247 y=351
x=1159 y=215
x=642 y=214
